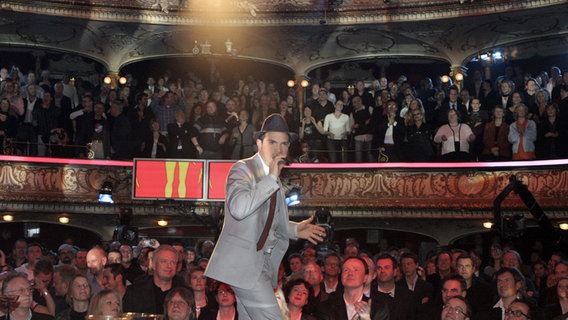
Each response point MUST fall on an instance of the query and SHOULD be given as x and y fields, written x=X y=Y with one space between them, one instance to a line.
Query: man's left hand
x=311 y=232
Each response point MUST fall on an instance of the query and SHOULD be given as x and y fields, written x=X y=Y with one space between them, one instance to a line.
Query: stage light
x=563 y=226
x=293 y=197
x=162 y=222
x=487 y=224
x=64 y=219
x=105 y=193
x=8 y=217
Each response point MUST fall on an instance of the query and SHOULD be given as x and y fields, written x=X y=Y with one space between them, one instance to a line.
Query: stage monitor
x=168 y=179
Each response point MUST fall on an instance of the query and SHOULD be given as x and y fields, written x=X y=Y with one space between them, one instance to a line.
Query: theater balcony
x=441 y=201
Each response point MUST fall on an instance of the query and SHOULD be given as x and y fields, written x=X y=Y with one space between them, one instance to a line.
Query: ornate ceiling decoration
x=300 y=35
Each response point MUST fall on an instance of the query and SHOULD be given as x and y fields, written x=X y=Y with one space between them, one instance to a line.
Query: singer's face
x=273 y=144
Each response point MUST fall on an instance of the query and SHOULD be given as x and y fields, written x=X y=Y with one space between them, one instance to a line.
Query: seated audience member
x=17 y=284
x=352 y=304
x=78 y=297
x=147 y=295
x=178 y=305
x=456 y=308
x=496 y=146
x=106 y=303
x=297 y=293
x=307 y=156
x=560 y=306
x=455 y=138
x=522 y=135
x=226 y=305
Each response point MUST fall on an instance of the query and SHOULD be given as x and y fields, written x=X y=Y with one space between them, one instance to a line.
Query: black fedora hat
x=275 y=123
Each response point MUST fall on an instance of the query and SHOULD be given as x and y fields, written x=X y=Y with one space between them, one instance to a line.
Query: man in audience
x=33 y=254
x=96 y=260
x=131 y=268
x=81 y=262
x=66 y=254
x=314 y=276
x=479 y=294
x=148 y=295
x=422 y=291
x=509 y=288
x=331 y=273
x=113 y=278
x=62 y=276
x=210 y=133
x=18 y=255
x=18 y=285
x=352 y=304
x=387 y=292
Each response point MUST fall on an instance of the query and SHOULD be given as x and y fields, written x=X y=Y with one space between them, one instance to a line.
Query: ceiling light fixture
x=8 y=217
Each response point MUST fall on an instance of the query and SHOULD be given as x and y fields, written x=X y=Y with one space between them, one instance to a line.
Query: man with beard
x=96 y=260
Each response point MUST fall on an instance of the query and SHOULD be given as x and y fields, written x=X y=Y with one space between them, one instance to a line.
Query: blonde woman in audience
x=105 y=303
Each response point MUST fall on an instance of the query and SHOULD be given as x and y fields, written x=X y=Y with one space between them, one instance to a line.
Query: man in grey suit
x=247 y=256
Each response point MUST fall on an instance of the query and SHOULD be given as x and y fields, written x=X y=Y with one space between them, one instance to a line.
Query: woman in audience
x=496 y=253
x=226 y=309
x=496 y=146
x=419 y=135
x=455 y=138
x=106 y=303
x=197 y=282
x=297 y=292
x=477 y=119
x=337 y=129
x=78 y=296
x=522 y=135
x=155 y=143
x=312 y=131
x=560 y=307
x=179 y=304
x=244 y=145
x=549 y=139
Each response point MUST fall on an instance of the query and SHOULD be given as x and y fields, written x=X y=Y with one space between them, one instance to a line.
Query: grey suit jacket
x=235 y=260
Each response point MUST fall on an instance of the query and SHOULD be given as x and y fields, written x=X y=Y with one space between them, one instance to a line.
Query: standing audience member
x=180 y=134
x=496 y=146
x=178 y=305
x=62 y=277
x=154 y=144
x=96 y=260
x=362 y=131
x=106 y=303
x=389 y=133
x=522 y=135
x=17 y=284
x=455 y=138
x=456 y=308
x=337 y=128
x=551 y=139
x=311 y=132
x=120 y=132
x=148 y=295
x=113 y=279
x=78 y=297
x=210 y=133
x=396 y=297
x=197 y=282
x=33 y=255
x=422 y=291
x=419 y=139
x=560 y=306
x=242 y=137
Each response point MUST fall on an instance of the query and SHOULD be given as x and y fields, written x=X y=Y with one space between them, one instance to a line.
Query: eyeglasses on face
x=516 y=313
x=455 y=310
x=21 y=291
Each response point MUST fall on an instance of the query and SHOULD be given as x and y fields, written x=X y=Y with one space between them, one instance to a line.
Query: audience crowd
x=514 y=116
x=487 y=283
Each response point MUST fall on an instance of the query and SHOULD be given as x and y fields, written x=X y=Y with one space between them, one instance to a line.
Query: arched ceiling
x=300 y=35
